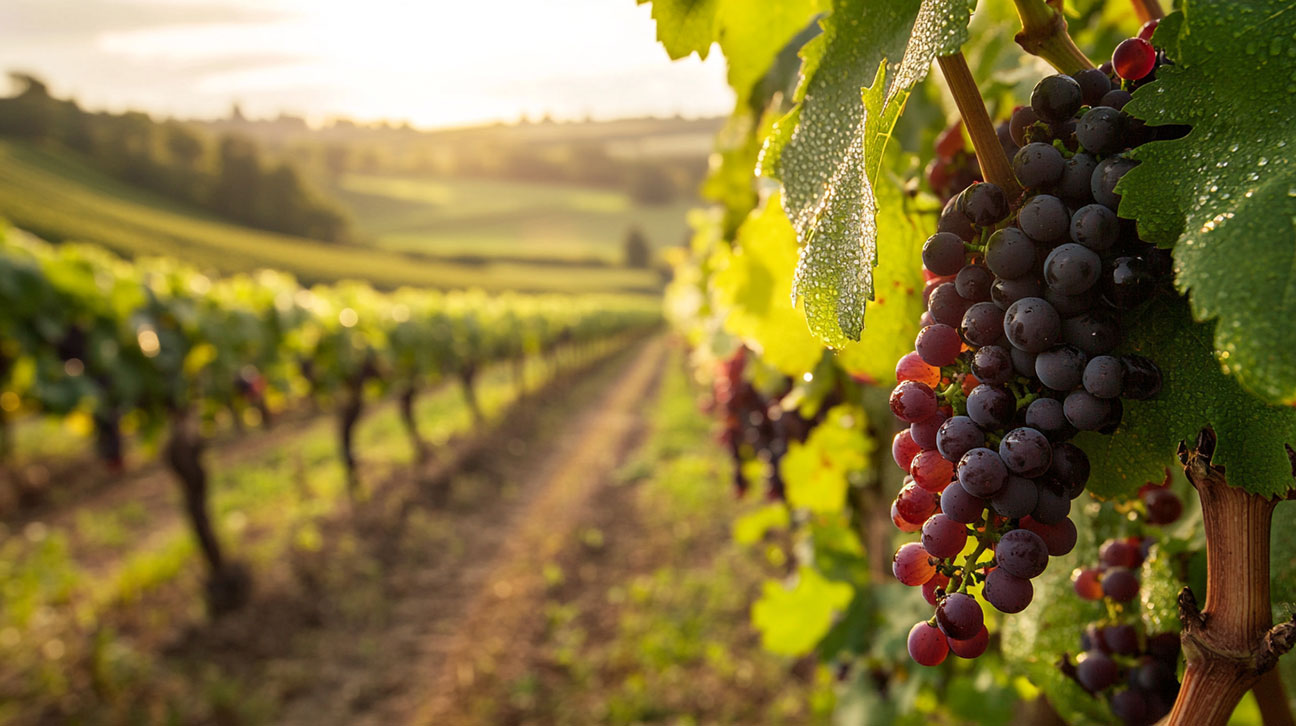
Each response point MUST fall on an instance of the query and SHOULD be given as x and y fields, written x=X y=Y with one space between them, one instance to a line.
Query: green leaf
x=792 y=619
x=1225 y=195
x=1195 y=393
x=752 y=527
x=1159 y=593
x=817 y=471
x=752 y=34
x=685 y=26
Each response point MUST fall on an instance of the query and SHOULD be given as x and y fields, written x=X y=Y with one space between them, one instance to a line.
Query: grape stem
x=985 y=142
x=1044 y=33
x=1147 y=10
x=1230 y=643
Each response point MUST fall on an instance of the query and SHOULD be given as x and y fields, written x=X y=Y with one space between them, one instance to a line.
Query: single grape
x=1061 y=367
x=943 y=536
x=1103 y=182
x=1045 y=415
x=1093 y=84
x=1023 y=362
x=1021 y=120
x=1037 y=165
x=1120 y=584
x=1096 y=671
x=1022 y=553
x=1163 y=506
x=1072 y=269
x=971 y=647
x=924 y=432
x=943 y=253
x=1142 y=377
x=1004 y=131
x=913 y=401
x=1101 y=130
x=1076 y=175
x=1085 y=411
x=991 y=407
x=957 y=436
x=1087 y=583
x=1127 y=282
x=1133 y=59
x=1121 y=639
x=1007 y=592
x=1060 y=537
x=984 y=203
x=938 y=345
x=1016 y=498
x=973 y=283
x=912 y=565
x=960 y=506
x=982 y=324
x=982 y=472
x=1104 y=376
x=946 y=305
x=1094 y=332
x=1116 y=98
x=1005 y=292
x=1010 y=253
x=903 y=449
x=1056 y=98
x=954 y=221
x=1053 y=504
x=1032 y=325
x=1071 y=305
x=927 y=645
x=931 y=471
x=1095 y=227
x=1119 y=553
x=900 y=522
x=992 y=365
x=959 y=616
x=912 y=368
x=914 y=503
x=1155 y=676
x=1130 y=706
x=1026 y=452
x=1070 y=467
x=1045 y=218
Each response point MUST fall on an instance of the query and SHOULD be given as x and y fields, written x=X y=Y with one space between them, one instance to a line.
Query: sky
x=430 y=62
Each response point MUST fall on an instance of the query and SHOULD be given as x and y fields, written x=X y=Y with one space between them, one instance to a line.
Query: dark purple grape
x=1094 y=84
x=1095 y=227
x=1094 y=332
x=959 y=616
x=1096 y=671
x=982 y=324
x=981 y=472
x=1007 y=592
x=913 y=401
x=1142 y=377
x=992 y=364
x=1120 y=584
x=938 y=345
x=1085 y=411
x=1061 y=367
x=1021 y=120
x=1071 y=305
x=943 y=537
x=1114 y=415
x=1053 y=502
x=1130 y=706
x=946 y=305
x=1032 y=325
x=1101 y=130
x=991 y=407
x=1044 y=218
x=1005 y=292
x=973 y=283
x=1163 y=506
x=1037 y=165
x=1104 y=376
x=1045 y=415
x=957 y=436
x=1070 y=467
x=1155 y=676
x=1115 y=98
x=1071 y=269
x=1103 y=183
x=960 y=506
x=984 y=203
x=1076 y=175
x=1056 y=98
x=1023 y=362
x=1010 y=253
x=954 y=221
x=1127 y=282
x=923 y=432
x=1004 y=132
x=1121 y=639
x=1022 y=553
x=1016 y=498
x=1060 y=537
x=1026 y=452
x=943 y=253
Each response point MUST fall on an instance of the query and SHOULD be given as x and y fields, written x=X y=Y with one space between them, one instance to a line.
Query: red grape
x=900 y=522
x=959 y=616
x=927 y=645
x=912 y=368
x=972 y=647
x=931 y=471
x=1087 y=584
x=943 y=537
x=912 y=565
x=1133 y=59
x=903 y=449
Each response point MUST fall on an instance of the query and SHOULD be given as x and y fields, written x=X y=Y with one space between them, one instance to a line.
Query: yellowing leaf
x=817 y=471
x=793 y=619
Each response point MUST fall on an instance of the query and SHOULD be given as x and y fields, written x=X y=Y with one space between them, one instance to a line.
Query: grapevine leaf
x=792 y=620
x=817 y=471
x=1283 y=562
x=752 y=527
x=1195 y=393
x=753 y=34
x=685 y=26
x=1159 y=593
x=1225 y=195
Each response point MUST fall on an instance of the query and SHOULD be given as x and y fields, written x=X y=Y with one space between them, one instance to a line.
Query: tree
x=636 y=252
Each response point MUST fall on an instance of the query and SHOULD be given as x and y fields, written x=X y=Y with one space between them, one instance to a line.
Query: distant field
x=53 y=195
x=466 y=217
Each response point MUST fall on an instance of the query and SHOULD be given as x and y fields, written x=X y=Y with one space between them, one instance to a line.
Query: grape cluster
x=954 y=166
x=1133 y=670
x=1017 y=353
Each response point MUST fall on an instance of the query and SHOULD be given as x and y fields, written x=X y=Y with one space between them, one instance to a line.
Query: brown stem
x=1044 y=33
x=1229 y=644
x=1147 y=10
x=985 y=142
x=1272 y=699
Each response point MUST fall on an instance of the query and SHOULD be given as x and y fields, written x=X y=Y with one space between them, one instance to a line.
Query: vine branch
x=1044 y=33
x=1147 y=10
x=1229 y=644
x=985 y=142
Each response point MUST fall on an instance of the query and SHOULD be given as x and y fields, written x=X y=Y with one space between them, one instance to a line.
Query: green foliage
x=793 y=617
x=818 y=471
x=1195 y=393
x=1225 y=195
